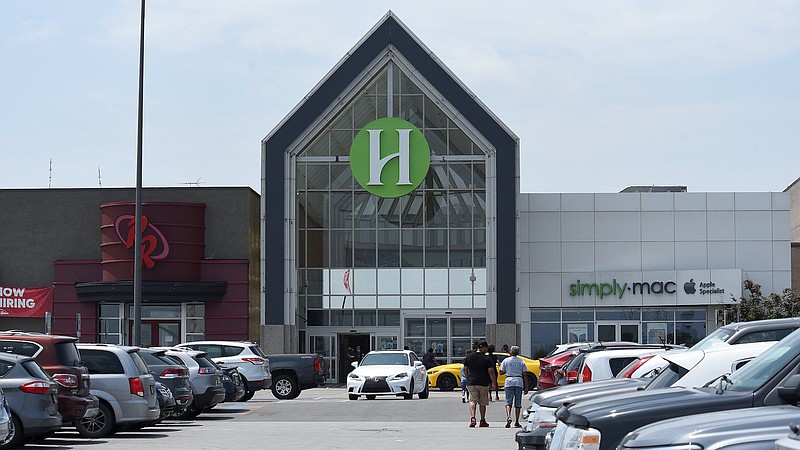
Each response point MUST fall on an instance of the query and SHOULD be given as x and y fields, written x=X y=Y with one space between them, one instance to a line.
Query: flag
x=346 y=281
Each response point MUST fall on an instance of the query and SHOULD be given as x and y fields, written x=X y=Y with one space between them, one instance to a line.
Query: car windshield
x=765 y=366
x=667 y=377
x=67 y=354
x=718 y=335
x=385 y=359
x=140 y=365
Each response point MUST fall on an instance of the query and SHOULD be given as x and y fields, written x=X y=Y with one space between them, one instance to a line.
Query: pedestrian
x=480 y=380
x=493 y=357
x=429 y=359
x=474 y=346
x=514 y=369
x=505 y=348
x=358 y=353
x=464 y=391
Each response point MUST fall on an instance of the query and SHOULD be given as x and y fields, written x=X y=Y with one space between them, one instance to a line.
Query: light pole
x=136 y=339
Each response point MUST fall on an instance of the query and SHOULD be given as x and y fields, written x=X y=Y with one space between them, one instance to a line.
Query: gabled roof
x=388 y=32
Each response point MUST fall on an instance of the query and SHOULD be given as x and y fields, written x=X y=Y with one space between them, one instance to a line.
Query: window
x=101 y=362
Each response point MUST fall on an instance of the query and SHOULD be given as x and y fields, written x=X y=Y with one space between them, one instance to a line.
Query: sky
x=602 y=94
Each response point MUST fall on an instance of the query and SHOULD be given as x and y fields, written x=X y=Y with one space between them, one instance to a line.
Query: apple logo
x=688 y=287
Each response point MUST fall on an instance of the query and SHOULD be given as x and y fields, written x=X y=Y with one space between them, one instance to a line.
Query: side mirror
x=790 y=390
x=354 y=364
x=418 y=363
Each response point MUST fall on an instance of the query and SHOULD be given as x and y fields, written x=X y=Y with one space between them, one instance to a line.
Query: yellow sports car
x=447 y=377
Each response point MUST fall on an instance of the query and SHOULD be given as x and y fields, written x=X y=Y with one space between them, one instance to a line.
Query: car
x=29 y=396
x=688 y=368
x=205 y=377
x=753 y=331
x=770 y=379
x=126 y=389
x=173 y=375
x=232 y=382
x=388 y=372
x=447 y=377
x=247 y=356
x=737 y=429
x=166 y=405
x=59 y=357
x=6 y=422
x=790 y=441
x=610 y=361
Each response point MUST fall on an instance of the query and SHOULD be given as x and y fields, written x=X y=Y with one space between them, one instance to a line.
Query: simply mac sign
x=390 y=157
x=683 y=287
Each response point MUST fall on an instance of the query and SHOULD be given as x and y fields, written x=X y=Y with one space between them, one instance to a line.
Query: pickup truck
x=291 y=373
x=600 y=424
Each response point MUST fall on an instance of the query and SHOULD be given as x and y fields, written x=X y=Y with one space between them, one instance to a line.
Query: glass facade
x=550 y=327
x=363 y=261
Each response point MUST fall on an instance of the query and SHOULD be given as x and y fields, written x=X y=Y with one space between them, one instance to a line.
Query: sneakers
x=472 y=422
x=508 y=422
x=516 y=425
x=483 y=424
x=463 y=400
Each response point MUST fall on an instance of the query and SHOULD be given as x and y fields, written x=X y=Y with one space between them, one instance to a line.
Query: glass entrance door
x=629 y=331
x=160 y=333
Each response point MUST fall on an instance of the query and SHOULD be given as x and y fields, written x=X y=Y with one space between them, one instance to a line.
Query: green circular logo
x=390 y=157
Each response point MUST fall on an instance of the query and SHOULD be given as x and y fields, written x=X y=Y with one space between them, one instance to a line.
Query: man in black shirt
x=429 y=359
x=481 y=378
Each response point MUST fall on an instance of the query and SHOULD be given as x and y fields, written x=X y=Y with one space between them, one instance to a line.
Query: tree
x=758 y=307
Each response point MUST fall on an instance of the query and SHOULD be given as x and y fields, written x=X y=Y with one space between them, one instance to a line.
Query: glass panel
x=690 y=314
x=439 y=347
x=389 y=301
x=436 y=281
x=387 y=342
x=364 y=318
x=461 y=281
x=460 y=301
x=460 y=175
x=479 y=301
x=479 y=211
x=539 y=315
x=436 y=301
x=316 y=208
x=459 y=349
x=412 y=281
x=389 y=210
x=460 y=327
x=388 y=248
x=629 y=333
x=573 y=315
x=364 y=251
x=460 y=209
x=341 y=251
x=318 y=147
x=478 y=328
x=341 y=177
x=341 y=318
x=109 y=310
x=364 y=209
x=437 y=176
x=436 y=209
x=412 y=249
x=434 y=117
x=412 y=301
x=415 y=327
x=341 y=210
x=314 y=317
x=416 y=345
x=478 y=175
x=365 y=111
x=319 y=344
x=658 y=314
x=340 y=142
x=412 y=211
x=318 y=177
x=365 y=301
x=689 y=333
x=364 y=281
x=389 y=281
x=436 y=248
x=169 y=334
x=389 y=318
x=109 y=325
x=544 y=338
x=437 y=141
x=460 y=144
x=606 y=332
x=195 y=325
x=618 y=314
x=195 y=310
x=158 y=312
x=411 y=109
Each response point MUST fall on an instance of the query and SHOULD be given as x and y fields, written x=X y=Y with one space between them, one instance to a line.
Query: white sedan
x=388 y=372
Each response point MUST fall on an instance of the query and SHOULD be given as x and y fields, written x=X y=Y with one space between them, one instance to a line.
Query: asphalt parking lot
x=319 y=418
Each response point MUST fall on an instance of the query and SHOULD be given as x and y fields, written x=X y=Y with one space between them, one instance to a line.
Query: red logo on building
x=154 y=244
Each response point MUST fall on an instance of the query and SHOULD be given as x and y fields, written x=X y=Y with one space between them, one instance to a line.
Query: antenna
x=50 y=176
x=194 y=183
x=99 y=179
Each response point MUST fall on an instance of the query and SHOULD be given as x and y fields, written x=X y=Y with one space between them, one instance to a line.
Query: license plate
x=91 y=412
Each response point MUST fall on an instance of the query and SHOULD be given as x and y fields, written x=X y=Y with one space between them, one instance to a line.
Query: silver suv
x=124 y=385
x=204 y=376
x=247 y=356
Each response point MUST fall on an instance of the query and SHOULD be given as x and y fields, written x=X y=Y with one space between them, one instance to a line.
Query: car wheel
x=285 y=387
x=372 y=397
x=352 y=396
x=410 y=394
x=98 y=426
x=425 y=392
x=531 y=380
x=15 y=434
x=446 y=382
x=247 y=396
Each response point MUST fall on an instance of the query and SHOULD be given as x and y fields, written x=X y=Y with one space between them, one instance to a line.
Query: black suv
x=59 y=357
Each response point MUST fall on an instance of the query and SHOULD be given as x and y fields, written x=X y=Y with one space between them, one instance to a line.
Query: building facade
x=67 y=263
x=353 y=258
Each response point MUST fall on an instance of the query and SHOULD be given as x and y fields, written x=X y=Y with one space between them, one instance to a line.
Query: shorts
x=514 y=395
x=478 y=394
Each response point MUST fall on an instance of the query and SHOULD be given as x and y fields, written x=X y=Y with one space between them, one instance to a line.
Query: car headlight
x=353 y=376
x=432 y=371
x=580 y=439
x=400 y=376
x=545 y=417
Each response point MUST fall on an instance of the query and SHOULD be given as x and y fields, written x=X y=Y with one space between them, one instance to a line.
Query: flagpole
x=137 y=258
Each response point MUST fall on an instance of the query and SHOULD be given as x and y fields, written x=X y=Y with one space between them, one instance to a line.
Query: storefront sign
x=678 y=287
x=154 y=244
x=390 y=157
x=25 y=302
